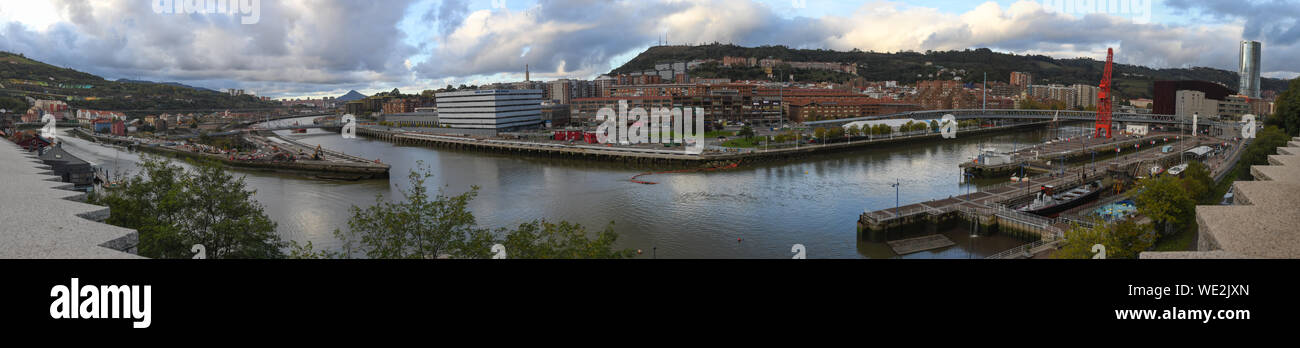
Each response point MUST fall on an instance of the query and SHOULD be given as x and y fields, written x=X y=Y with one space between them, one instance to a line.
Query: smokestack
x=526 y=77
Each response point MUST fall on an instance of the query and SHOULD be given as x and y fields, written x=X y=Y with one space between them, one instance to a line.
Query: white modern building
x=496 y=109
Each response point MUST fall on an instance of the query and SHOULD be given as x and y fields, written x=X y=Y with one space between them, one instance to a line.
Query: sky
x=314 y=48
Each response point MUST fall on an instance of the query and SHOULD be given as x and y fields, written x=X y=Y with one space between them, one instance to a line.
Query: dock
x=1081 y=148
x=334 y=166
x=918 y=244
x=654 y=153
x=991 y=206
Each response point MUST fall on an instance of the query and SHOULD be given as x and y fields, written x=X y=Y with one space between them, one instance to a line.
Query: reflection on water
x=767 y=207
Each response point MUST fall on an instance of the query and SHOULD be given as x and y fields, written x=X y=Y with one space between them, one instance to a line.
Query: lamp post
x=1093 y=165
x=896 y=195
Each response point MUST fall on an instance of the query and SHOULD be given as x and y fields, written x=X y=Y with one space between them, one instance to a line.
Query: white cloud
x=302 y=45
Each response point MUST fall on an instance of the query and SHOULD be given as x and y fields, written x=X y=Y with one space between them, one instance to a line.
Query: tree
x=835 y=132
x=1197 y=180
x=819 y=132
x=14 y=105
x=1287 y=116
x=420 y=226
x=1166 y=202
x=854 y=130
x=428 y=226
x=173 y=209
x=1123 y=240
x=1266 y=143
x=746 y=132
x=546 y=240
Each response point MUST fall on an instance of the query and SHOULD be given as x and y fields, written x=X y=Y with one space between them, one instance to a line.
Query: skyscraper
x=1249 y=69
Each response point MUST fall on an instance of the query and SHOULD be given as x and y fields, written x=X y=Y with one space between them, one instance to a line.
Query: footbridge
x=1063 y=115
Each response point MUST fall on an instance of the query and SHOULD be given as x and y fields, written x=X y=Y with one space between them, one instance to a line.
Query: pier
x=333 y=165
x=1073 y=149
x=656 y=153
x=992 y=207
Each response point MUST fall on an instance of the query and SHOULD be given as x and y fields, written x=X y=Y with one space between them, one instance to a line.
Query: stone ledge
x=1264 y=223
x=40 y=218
x=1175 y=255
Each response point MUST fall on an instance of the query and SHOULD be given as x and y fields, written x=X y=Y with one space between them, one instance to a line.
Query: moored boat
x=1049 y=203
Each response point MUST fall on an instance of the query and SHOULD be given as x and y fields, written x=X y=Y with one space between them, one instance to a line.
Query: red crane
x=1104 y=103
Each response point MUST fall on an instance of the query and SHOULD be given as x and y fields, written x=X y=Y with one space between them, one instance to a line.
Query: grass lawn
x=715 y=134
x=744 y=142
x=1182 y=241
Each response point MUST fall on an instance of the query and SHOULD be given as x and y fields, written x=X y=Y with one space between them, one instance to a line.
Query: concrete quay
x=991 y=206
x=649 y=155
x=336 y=167
x=1074 y=150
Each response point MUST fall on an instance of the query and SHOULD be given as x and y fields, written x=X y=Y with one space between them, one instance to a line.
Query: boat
x=1177 y=170
x=1048 y=203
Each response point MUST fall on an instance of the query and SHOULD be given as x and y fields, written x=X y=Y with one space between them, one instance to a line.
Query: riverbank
x=657 y=156
x=354 y=170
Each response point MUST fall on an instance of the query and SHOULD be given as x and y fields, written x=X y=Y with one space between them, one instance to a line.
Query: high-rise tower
x=1249 y=69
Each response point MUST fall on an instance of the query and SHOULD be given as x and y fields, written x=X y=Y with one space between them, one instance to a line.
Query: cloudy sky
x=327 y=47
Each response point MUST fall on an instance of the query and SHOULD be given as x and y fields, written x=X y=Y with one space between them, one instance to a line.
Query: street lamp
x=896 y=195
x=968 y=175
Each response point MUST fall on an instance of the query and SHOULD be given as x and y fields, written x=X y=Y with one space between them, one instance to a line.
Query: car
x=1227 y=198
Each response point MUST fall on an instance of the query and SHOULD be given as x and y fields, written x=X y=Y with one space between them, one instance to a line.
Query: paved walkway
x=39 y=221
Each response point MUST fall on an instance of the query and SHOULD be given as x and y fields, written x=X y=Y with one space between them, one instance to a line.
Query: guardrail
x=1010 y=113
x=1023 y=250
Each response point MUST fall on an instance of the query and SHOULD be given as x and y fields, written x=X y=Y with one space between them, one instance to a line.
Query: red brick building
x=821 y=110
x=401 y=105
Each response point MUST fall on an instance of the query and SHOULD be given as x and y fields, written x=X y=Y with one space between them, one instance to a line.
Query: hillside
x=177 y=84
x=1131 y=81
x=21 y=76
x=351 y=95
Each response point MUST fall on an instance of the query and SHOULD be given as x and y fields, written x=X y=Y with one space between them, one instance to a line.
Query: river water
x=756 y=211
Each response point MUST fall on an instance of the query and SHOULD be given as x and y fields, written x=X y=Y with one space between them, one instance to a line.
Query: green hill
x=1131 y=81
x=22 y=76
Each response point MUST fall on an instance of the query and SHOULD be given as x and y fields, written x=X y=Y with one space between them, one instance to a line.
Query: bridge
x=1064 y=115
x=278 y=124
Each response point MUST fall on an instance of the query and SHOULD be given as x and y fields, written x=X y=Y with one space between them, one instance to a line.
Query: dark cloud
x=450 y=14
x=1277 y=21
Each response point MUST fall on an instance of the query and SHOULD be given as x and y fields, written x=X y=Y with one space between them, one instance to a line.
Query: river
x=756 y=211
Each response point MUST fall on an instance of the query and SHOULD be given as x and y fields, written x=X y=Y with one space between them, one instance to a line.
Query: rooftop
x=39 y=217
